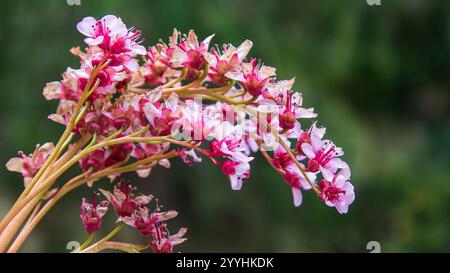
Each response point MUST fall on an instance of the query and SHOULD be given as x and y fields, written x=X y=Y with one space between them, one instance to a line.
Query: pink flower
x=144 y=150
x=69 y=88
x=95 y=122
x=313 y=135
x=263 y=125
x=196 y=122
x=92 y=213
x=75 y=80
x=325 y=155
x=118 y=153
x=236 y=171
x=123 y=199
x=109 y=79
x=281 y=158
x=292 y=111
x=321 y=154
x=276 y=91
x=28 y=166
x=226 y=147
x=228 y=61
x=253 y=76
x=188 y=157
x=94 y=160
x=163 y=242
x=121 y=118
x=156 y=69
x=111 y=35
x=161 y=116
x=295 y=179
x=191 y=53
x=100 y=159
x=146 y=222
x=162 y=125
x=336 y=190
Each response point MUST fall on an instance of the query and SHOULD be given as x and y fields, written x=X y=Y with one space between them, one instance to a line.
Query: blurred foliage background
x=377 y=75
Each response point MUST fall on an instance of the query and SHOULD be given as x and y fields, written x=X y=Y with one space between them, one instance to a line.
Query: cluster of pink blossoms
x=134 y=211
x=187 y=99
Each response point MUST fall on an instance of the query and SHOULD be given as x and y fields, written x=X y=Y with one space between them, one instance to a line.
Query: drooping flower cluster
x=141 y=107
x=134 y=211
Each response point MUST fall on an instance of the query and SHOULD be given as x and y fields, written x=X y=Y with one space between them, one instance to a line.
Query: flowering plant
x=128 y=108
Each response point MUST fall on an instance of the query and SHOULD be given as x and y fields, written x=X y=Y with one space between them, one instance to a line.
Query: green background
x=377 y=75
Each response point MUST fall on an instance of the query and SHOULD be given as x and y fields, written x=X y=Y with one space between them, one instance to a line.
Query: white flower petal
x=244 y=49
x=327 y=174
x=15 y=165
x=87 y=26
x=51 y=90
x=138 y=49
x=234 y=75
x=165 y=163
x=96 y=41
x=208 y=40
x=236 y=183
x=305 y=113
x=340 y=181
x=297 y=196
x=144 y=172
x=308 y=150
x=267 y=71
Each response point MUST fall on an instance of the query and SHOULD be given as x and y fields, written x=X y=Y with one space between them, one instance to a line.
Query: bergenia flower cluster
x=135 y=211
x=130 y=108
